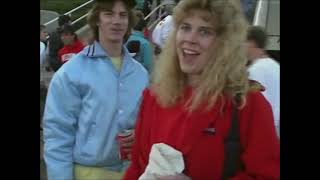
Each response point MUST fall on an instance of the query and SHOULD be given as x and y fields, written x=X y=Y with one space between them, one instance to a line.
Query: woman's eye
x=185 y=28
x=205 y=32
x=107 y=13
x=124 y=15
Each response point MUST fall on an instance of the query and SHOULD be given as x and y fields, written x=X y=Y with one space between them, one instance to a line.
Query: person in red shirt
x=199 y=86
x=71 y=44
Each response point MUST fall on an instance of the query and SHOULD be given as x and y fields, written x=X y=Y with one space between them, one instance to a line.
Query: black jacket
x=54 y=45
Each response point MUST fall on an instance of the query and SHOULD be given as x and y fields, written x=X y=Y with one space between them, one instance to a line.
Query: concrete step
x=46 y=16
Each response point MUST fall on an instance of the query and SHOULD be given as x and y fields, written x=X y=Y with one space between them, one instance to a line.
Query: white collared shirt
x=162 y=31
x=42 y=51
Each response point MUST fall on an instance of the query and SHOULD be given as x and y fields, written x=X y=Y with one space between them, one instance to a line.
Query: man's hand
x=127 y=143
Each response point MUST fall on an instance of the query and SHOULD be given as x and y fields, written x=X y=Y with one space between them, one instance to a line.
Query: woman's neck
x=193 y=80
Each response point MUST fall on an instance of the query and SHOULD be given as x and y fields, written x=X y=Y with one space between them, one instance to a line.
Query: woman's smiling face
x=194 y=41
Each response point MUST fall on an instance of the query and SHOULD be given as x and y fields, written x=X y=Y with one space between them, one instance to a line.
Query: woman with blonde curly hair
x=202 y=104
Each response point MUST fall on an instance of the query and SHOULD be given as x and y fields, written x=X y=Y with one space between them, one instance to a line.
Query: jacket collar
x=96 y=50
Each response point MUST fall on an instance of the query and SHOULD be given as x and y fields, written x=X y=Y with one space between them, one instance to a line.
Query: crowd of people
x=60 y=45
x=207 y=109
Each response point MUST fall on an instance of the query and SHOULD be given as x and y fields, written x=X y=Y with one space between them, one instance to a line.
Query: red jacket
x=68 y=51
x=204 y=153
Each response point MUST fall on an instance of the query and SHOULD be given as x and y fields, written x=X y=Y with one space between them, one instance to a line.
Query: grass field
x=63 y=6
x=60 y=6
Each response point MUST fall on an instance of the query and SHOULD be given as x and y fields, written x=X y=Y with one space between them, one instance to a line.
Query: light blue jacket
x=88 y=103
x=146 y=52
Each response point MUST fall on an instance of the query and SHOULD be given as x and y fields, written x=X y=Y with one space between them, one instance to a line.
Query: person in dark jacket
x=139 y=44
x=55 y=43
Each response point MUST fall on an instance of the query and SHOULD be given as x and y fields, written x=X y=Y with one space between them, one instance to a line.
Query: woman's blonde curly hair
x=224 y=74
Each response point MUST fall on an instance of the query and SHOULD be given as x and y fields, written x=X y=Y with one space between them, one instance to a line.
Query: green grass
x=63 y=6
x=60 y=6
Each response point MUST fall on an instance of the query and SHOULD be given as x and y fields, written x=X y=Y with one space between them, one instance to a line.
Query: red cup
x=122 y=154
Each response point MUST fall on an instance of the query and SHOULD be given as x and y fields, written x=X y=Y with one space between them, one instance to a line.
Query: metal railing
x=266 y=18
x=160 y=14
x=70 y=12
x=261 y=13
x=80 y=18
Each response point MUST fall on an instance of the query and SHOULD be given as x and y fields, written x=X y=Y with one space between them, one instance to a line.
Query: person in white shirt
x=42 y=52
x=43 y=43
x=264 y=69
x=162 y=30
